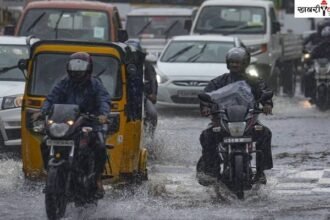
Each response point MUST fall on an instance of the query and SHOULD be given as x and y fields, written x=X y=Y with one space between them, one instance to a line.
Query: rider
x=237 y=60
x=150 y=89
x=80 y=88
x=314 y=38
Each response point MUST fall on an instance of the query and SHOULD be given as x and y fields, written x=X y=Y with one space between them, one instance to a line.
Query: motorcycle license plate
x=60 y=143
x=237 y=140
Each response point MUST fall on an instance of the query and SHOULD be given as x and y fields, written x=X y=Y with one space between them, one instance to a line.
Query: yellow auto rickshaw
x=119 y=67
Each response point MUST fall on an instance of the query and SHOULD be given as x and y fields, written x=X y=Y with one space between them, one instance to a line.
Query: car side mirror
x=276 y=27
x=187 y=24
x=23 y=65
x=9 y=30
x=122 y=35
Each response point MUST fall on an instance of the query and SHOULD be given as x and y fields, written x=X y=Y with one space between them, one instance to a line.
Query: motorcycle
x=322 y=80
x=234 y=116
x=71 y=163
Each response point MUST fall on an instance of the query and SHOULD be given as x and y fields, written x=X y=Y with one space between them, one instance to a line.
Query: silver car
x=187 y=65
x=12 y=82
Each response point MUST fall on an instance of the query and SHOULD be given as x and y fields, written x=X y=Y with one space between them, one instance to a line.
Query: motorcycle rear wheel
x=239 y=176
x=55 y=201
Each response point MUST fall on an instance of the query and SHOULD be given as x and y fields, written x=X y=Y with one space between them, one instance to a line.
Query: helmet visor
x=78 y=65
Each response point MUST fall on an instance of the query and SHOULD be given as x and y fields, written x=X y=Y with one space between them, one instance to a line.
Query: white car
x=187 y=64
x=12 y=82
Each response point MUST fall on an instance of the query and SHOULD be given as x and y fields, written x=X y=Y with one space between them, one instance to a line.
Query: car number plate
x=60 y=143
x=189 y=93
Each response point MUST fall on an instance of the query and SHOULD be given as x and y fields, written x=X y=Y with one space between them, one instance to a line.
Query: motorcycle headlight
x=14 y=101
x=58 y=130
x=252 y=71
x=236 y=129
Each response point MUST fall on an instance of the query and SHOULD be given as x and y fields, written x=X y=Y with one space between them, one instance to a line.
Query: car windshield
x=196 y=51
x=50 y=68
x=9 y=57
x=156 y=26
x=66 y=24
x=228 y=19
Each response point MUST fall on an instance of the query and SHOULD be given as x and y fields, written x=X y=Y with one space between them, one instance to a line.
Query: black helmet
x=325 y=32
x=80 y=66
x=240 y=56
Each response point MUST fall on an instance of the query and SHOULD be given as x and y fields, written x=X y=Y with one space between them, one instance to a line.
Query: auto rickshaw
x=119 y=67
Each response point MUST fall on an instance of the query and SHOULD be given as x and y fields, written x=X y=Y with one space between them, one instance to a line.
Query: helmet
x=80 y=66
x=237 y=59
x=135 y=43
x=322 y=24
x=325 y=32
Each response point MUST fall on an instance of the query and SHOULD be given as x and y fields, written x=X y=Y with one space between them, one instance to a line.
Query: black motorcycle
x=322 y=83
x=234 y=116
x=71 y=163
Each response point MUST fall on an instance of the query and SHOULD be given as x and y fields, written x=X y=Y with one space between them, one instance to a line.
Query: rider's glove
x=103 y=119
x=267 y=109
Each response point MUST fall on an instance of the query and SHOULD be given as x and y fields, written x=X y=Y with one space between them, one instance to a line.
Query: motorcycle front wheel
x=55 y=200
x=239 y=176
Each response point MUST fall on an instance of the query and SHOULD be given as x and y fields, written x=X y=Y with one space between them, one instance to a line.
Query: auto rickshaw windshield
x=49 y=68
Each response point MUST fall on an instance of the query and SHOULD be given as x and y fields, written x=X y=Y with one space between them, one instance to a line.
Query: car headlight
x=14 y=101
x=161 y=77
x=252 y=71
x=58 y=130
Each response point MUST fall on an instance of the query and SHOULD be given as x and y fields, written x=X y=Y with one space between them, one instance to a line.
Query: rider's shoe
x=99 y=194
x=260 y=178
x=206 y=179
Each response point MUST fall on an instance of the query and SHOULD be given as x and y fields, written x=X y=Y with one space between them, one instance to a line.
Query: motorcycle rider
x=314 y=38
x=79 y=87
x=237 y=60
x=150 y=89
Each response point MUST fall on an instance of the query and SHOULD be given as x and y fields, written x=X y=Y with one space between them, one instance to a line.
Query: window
x=65 y=24
x=50 y=68
x=9 y=57
x=196 y=52
x=231 y=19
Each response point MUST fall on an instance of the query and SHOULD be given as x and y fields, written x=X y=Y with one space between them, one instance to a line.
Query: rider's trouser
x=210 y=156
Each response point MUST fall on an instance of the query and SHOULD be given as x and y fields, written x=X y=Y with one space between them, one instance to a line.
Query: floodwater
x=298 y=186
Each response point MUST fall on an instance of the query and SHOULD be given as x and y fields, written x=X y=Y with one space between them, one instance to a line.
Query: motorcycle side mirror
x=204 y=97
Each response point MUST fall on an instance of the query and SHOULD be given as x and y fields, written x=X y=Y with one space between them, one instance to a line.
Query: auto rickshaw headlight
x=58 y=129
x=14 y=101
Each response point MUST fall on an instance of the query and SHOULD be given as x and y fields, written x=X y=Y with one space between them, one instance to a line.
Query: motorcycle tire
x=55 y=201
x=239 y=176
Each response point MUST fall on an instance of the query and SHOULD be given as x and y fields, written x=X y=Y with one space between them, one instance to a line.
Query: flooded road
x=298 y=187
